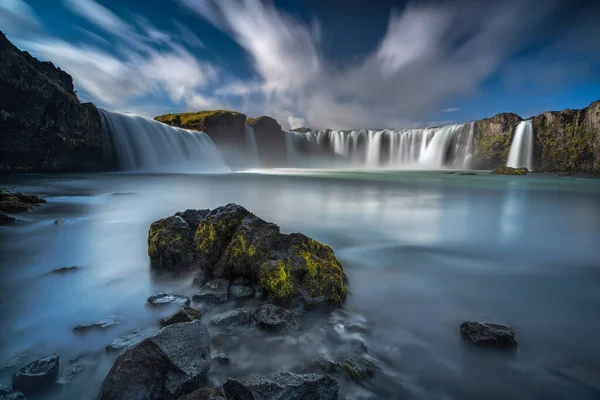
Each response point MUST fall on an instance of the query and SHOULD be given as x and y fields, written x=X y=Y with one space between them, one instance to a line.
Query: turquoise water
x=423 y=251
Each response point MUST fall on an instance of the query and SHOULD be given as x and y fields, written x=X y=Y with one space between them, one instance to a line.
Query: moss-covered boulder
x=18 y=202
x=503 y=170
x=230 y=242
x=170 y=240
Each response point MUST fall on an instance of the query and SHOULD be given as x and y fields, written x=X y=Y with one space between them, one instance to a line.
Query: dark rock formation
x=283 y=385
x=205 y=394
x=160 y=299
x=173 y=362
x=358 y=368
x=488 y=334
x=102 y=324
x=493 y=137
x=43 y=126
x=64 y=270
x=274 y=319
x=241 y=291
x=18 y=202
x=7 y=394
x=215 y=291
x=37 y=375
x=231 y=242
x=270 y=140
x=130 y=339
x=502 y=170
x=186 y=314
x=237 y=317
x=6 y=219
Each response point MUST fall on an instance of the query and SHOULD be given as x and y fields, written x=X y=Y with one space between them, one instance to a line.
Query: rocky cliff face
x=492 y=138
x=43 y=126
x=270 y=140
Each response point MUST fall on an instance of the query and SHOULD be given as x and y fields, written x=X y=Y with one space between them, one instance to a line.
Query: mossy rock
x=201 y=120
x=502 y=170
x=18 y=202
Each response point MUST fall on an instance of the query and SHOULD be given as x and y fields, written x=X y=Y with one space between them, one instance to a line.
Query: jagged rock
x=358 y=368
x=488 y=334
x=283 y=385
x=64 y=270
x=240 y=291
x=6 y=219
x=321 y=364
x=7 y=394
x=130 y=339
x=270 y=317
x=102 y=324
x=502 y=170
x=221 y=358
x=44 y=126
x=36 y=376
x=204 y=394
x=17 y=202
x=160 y=299
x=170 y=239
x=186 y=314
x=215 y=291
x=237 y=317
x=165 y=366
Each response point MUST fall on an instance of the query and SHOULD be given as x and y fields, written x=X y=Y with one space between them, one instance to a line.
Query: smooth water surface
x=423 y=252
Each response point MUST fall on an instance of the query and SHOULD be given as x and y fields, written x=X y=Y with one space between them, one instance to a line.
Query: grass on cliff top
x=197 y=117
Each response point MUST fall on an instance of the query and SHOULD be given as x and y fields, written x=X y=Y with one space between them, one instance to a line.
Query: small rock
x=64 y=270
x=488 y=334
x=358 y=368
x=204 y=394
x=7 y=394
x=130 y=339
x=59 y=221
x=102 y=324
x=237 y=317
x=160 y=299
x=283 y=385
x=77 y=365
x=221 y=358
x=14 y=361
x=322 y=364
x=467 y=173
x=186 y=314
x=37 y=375
x=270 y=317
x=215 y=291
x=240 y=291
x=6 y=219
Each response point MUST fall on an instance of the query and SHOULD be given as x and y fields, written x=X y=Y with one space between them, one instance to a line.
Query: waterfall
x=521 y=148
x=254 y=158
x=146 y=145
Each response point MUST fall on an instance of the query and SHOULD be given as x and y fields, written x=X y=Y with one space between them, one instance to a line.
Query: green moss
x=566 y=149
x=503 y=170
x=239 y=245
x=206 y=235
x=193 y=119
x=275 y=277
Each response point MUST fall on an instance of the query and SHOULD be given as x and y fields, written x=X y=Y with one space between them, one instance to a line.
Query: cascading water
x=146 y=145
x=252 y=146
x=429 y=148
x=521 y=148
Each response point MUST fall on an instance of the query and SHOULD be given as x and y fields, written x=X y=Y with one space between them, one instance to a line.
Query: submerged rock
x=237 y=317
x=502 y=170
x=7 y=394
x=64 y=270
x=6 y=219
x=130 y=339
x=18 y=202
x=102 y=324
x=59 y=221
x=494 y=335
x=37 y=375
x=215 y=291
x=283 y=385
x=186 y=314
x=358 y=368
x=160 y=299
x=231 y=242
x=204 y=394
x=164 y=366
x=275 y=319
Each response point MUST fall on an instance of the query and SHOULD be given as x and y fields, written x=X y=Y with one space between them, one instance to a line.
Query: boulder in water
x=130 y=339
x=272 y=318
x=18 y=202
x=487 y=334
x=237 y=317
x=358 y=367
x=283 y=385
x=6 y=219
x=36 y=376
x=502 y=170
x=64 y=270
x=215 y=291
x=173 y=362
x=102 y=324
x=186 y=314
x=160 y=299
x=7 y=394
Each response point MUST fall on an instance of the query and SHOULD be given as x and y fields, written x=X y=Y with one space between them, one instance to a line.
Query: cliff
x=43 y=126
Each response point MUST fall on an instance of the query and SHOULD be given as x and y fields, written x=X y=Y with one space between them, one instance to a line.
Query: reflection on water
x=423 y=252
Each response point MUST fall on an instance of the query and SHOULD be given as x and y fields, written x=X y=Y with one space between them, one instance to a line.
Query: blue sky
x=335 y=64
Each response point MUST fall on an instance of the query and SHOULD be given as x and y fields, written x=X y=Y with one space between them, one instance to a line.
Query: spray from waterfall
x=254 y=158
x=521 y=148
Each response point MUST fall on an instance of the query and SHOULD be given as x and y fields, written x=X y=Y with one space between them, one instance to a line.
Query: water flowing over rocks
x=102 y=324
x=487 y=334
x=37 y=375
x=130 y=339
x=44 y=126
x=173 y=362
x=230 y=242
x=283 y=385
x=160 y=299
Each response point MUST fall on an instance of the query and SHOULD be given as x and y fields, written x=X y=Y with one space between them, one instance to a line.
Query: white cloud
x=296 y=122
x=17 y=18
x=450 y=110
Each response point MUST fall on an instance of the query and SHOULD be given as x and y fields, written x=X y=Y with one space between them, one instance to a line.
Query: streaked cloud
x=450 y=110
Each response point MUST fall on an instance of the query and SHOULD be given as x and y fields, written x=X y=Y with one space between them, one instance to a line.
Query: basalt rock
x=37 y=376
x=18 y=202
x=205 y=394
x=215 y=291
x=502 y=170
x=270 y=140
x=172 y=363
x=43 y=126
x=7 y=394
x=272 y=318
x=487 y=334
x=231 y=242
x=186 y=314
x=100 y=325
x=493 y=137
x=237 y=317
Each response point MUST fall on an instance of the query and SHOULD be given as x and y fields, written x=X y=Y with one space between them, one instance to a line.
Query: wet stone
x=487 y=334
x=37 y=376
x=102 y=324
x=186 y=314
x=237 y=317
x=130 y=339
x=215 y=291
x=160 y=299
